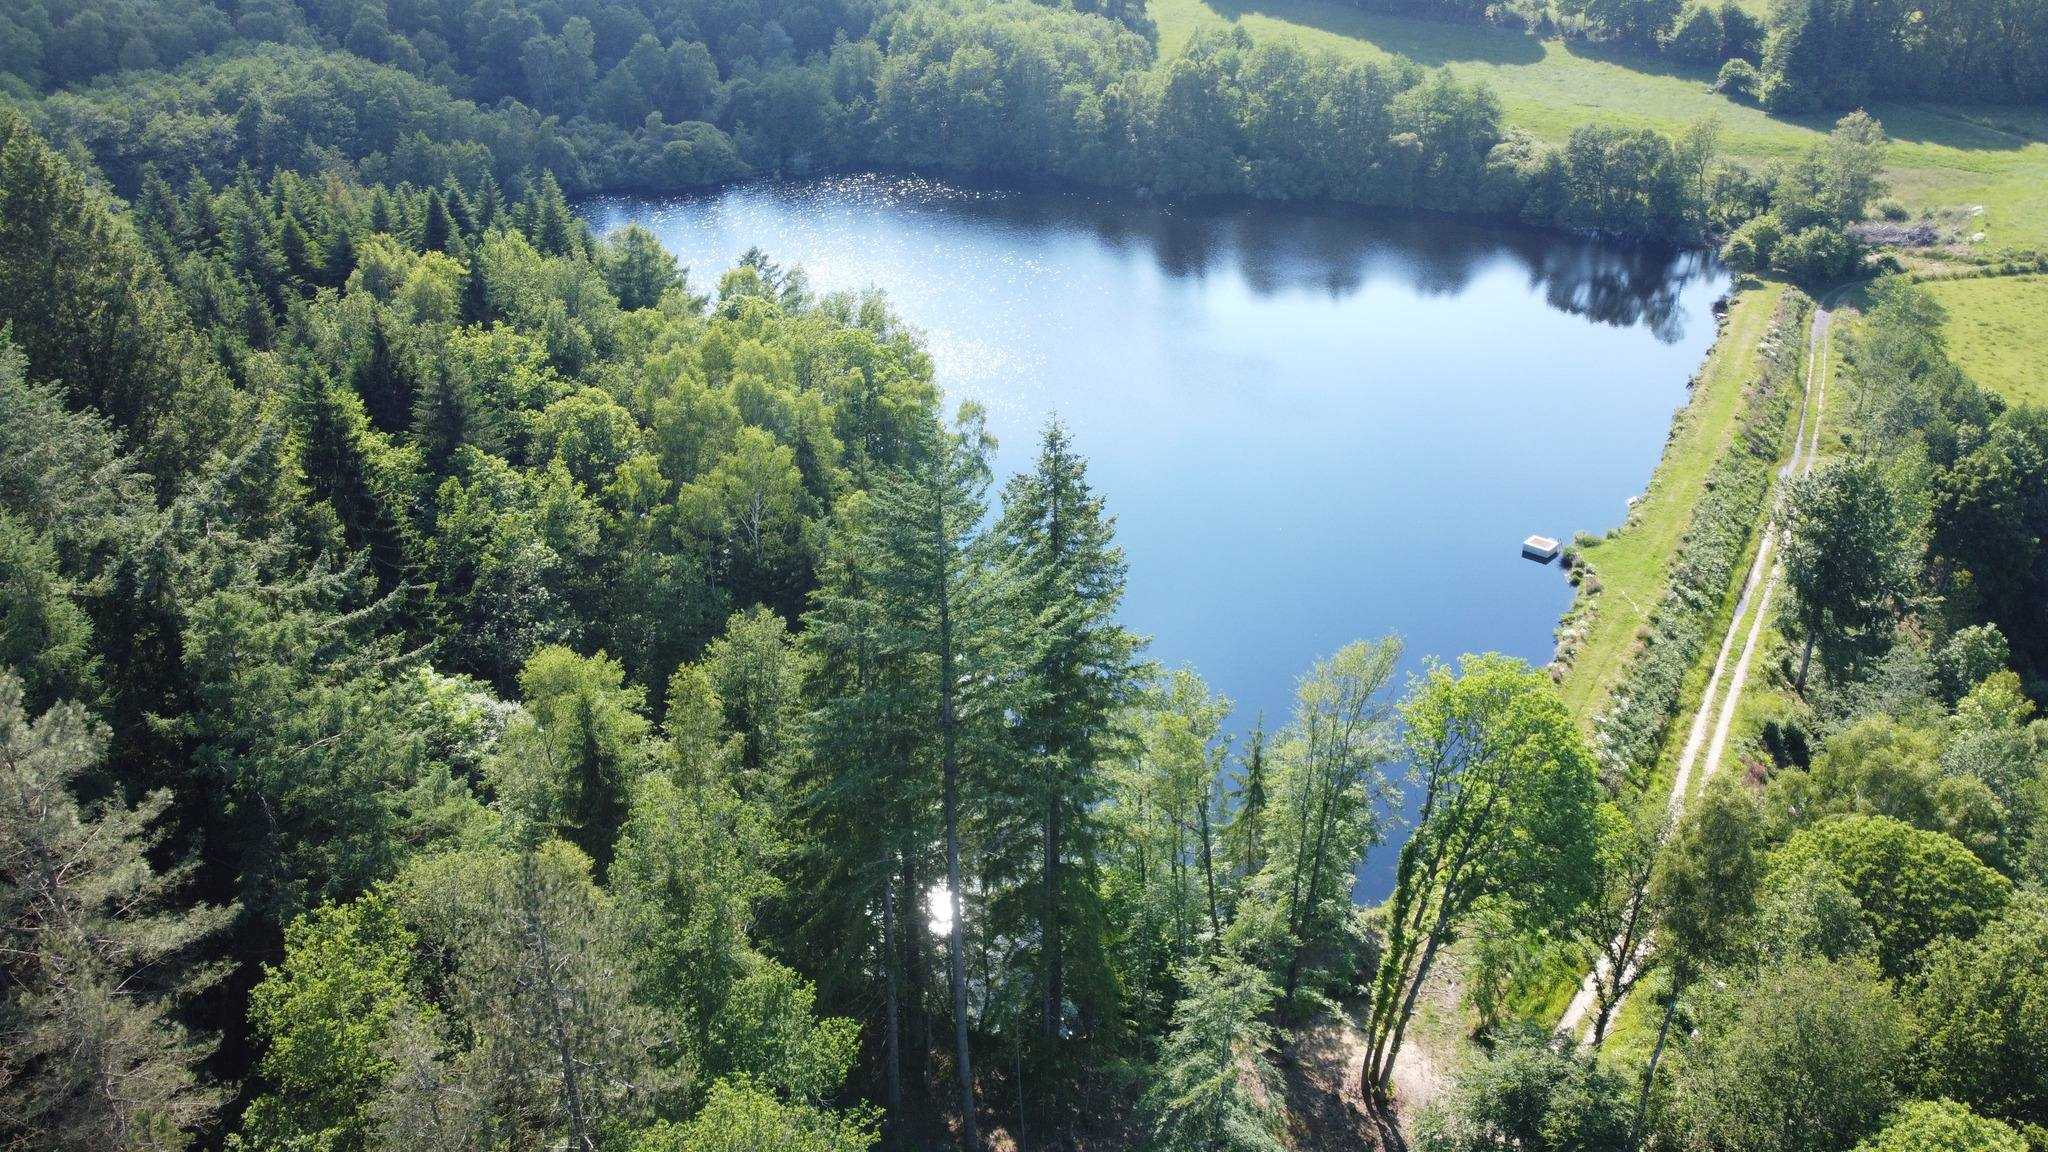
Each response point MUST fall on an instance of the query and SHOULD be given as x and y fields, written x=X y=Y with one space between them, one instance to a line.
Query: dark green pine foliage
x=476 y=292
x=946 y=615
x=489 y=206
x=344 y=462
x=1058 y=544
x=447 y=414
x=460 y=214
x=89 y=309
x=868 y=805
x=385 y=379
x=340 y=258
x=548 y=221
x=202 y=223
x=437 y=227
x=254 y=252
x=297 y=248
x=381 y=220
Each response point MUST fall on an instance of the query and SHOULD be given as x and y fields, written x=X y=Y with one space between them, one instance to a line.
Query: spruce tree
x=94 y=953
x=945 y=607
x=383 y=377
x=339 y=259
x=1244 y=837
x=869 y=806
x=1058 y=543
x=476 y=292
x=448 y=414
x=339 y=453
x=437 y=227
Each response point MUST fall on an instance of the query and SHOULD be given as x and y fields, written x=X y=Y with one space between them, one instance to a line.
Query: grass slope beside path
x=1941 y=156
x=1633 y=564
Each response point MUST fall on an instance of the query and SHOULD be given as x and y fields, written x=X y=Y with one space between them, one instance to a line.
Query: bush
x=1818 y=255
x=1981 y=1011
x=1752 y=247
x=1942 y=1126
x=1738 y=80
x=1915 y=886
x=1892 y=210
x=1528 y=1095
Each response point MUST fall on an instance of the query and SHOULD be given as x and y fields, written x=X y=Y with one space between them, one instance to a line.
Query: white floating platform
x=1541 y=548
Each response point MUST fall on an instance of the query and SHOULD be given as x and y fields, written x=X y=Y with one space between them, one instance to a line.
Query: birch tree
x=1508 y=815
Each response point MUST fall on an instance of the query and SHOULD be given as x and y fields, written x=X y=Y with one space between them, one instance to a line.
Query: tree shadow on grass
x=1981 y=128
x=1430 y=42
x=1637 y=58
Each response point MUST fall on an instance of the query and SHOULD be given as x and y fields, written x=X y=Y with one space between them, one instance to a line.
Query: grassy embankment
x=1632 y=564
x=1943 y=157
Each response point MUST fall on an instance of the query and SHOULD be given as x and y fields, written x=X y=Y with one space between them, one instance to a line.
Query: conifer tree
x=94 y=954
x=1244 y=837
x=1057 y=541
x=384 y=380
x=867 y=803
x=1215 y=1088
x=437 y=227
x=90 y=309
x=944 y=611
x=340 y=455
x=476 y=292
x=446 y=417
x=339 y=259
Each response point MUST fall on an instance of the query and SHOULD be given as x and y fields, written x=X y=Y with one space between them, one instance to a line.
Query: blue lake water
x=1312 y=425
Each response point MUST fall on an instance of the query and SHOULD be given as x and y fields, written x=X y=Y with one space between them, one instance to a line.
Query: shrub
x=1737 y=80
x=1943 y=1126
x=1752 y=247
x=1817 y=255
x=1915 y=886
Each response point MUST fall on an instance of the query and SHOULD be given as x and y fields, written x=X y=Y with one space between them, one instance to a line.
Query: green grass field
x=1633 y=563
x=1942 y=156
x=1997 y=332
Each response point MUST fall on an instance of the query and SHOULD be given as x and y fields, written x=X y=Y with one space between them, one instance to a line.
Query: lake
x=1313 y=425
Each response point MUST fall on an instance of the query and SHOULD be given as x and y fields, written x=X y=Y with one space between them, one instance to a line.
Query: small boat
x=1541 y=549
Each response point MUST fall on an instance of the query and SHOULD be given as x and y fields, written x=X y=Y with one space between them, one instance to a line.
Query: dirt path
x=1716 y=712
x=1321 y=1067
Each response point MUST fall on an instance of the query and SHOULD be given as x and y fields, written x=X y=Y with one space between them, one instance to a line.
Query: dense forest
x=474 y=684
x=668 y=95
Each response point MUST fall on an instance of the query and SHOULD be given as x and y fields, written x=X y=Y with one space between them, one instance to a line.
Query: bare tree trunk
x=1383 y=1074
x=1805 y=661
x=892 y=1036
x=1209 y=875
x=911 y=913
x=956 y=948
x=1055 y=969
x=1297 y=923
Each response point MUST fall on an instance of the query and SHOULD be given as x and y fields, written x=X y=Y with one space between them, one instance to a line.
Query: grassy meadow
x=1997 y=331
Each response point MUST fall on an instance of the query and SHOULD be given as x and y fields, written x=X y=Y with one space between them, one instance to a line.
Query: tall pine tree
x=1058 y=543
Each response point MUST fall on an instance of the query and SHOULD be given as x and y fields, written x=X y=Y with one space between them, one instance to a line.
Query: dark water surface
x=1312 y=425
